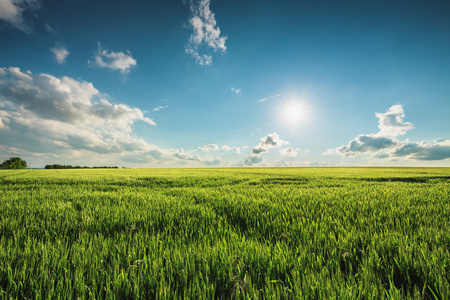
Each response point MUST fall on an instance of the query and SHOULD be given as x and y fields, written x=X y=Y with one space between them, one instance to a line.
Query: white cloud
x=205 y=32
x=210 y=147
x=436 y=150
x=385 y=145
x=391 y=122
x=203 y=60
x=160 y=107
x=12 y=12
x=113 y=60
x=208 y=160
x=63 y=120
x=51 y=30
x=39 y=111
x=235 y=90
x=270 y=141
x=290 y=152
x=367 y=143
x=60 y=53
x=4 y=120
x=228 y=148
x=253 y=159
x=269 y=98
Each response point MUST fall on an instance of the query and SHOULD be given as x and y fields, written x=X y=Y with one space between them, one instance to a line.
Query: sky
x=236 y=83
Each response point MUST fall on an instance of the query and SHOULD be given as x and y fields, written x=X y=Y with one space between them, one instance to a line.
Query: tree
x=14 y=163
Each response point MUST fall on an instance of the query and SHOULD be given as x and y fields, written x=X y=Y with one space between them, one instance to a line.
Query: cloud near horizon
x=59 y=119
x=113 y=60
x=385 y=145
x=205 y=33
x=234 y=149
x=270 y=141
x=290 y=152
x=210 y=147
x=253 y=159
x=208 y=160
x=46 y=114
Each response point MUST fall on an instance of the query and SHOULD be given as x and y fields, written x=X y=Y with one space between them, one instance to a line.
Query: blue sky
x=173 y=83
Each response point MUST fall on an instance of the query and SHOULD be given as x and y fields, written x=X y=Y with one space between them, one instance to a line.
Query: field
x=328 y=233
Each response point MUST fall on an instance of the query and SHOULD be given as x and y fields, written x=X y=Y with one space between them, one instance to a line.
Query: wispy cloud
x=234 y=149
x=235 y=90
x=210 y=147
x=51 y=30
x=385 y=145
x=205 y=32
x=269 y=98
x=113 y=60
x=12 y=11
x=60 y=53
x=160 y=107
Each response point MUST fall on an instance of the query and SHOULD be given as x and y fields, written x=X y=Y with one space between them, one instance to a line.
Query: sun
x=293 y=112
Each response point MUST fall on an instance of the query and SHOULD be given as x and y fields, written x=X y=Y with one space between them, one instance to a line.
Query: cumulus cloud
x=12 y=11
x=253 y=159
x=234 y=149
x=436 y=150
x=366 y=143
x=210 y=147
x=46 y=114
x=205 y=32
x=385 y=145
x=56 y=120
x=61 y=120
x=113 y=60
x=270 y=141
x=60 y=53
x=290 y=152
x=391 y=122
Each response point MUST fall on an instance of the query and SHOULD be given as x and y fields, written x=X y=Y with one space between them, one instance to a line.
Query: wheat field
x=256 y=233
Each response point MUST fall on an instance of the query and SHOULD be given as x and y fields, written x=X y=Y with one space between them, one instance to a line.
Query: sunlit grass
x=225 y=233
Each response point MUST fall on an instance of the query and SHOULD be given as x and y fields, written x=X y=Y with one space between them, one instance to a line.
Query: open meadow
x=325 y=233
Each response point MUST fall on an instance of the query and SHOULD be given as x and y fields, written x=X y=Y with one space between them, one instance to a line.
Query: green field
x=326 y=233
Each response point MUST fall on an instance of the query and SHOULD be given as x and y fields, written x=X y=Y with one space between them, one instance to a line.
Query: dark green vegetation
x=366 y=233
x=56 y=166
x=14 y=163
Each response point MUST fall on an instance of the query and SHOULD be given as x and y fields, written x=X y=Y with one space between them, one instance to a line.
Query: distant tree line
x=14 y=163
x=57 y=166
x=18 y=163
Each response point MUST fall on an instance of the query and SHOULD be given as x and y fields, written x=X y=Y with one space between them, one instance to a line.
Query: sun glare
x=293 y=112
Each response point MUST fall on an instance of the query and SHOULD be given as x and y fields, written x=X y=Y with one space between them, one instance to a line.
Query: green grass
x=353 y=233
